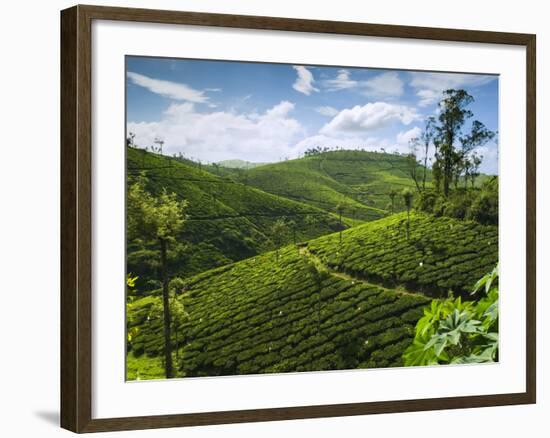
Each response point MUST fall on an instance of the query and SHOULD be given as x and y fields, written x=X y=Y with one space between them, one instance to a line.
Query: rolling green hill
x=317 y=306
x=226 y=220
x=358 y=180
x=441 y=254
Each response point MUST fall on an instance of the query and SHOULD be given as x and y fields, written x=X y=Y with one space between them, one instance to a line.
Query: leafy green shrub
x=453 y=331
x=479 y=204
x=425 y=201
x=485 y=209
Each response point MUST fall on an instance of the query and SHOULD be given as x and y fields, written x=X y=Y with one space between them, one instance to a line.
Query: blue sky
x=218 y=110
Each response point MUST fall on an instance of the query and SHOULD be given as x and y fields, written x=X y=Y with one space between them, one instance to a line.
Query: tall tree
x=292 y=225
x=473 y=170
x=453 y=145
x=392 y=194
x=407 y=199
x=159 y=219
x=452 y=116
x=412 y=161
x=427 y=138
x=279 y=231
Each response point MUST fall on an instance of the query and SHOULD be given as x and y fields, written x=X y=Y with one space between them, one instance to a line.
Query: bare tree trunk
x=408 y=222
x=166 y=309
x=446 y=178
x=425 y=167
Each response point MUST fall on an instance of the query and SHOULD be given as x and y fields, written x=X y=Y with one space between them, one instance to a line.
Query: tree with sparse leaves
x=392 y=194
x=158 y=219
x=427 y=138
x=278 y=230
x=407 y=199
x=412 y=161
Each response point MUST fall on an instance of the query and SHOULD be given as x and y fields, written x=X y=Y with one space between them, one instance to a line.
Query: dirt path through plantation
x=320 y=266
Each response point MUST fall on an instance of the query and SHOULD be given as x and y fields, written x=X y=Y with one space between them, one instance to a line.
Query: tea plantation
x=440 y=255
x=319 y=306
x=358 y=180
x=226 y=220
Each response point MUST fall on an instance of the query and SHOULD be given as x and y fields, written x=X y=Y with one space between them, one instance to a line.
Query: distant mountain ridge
x=239 y=164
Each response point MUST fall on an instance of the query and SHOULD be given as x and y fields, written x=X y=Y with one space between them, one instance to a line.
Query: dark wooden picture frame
x=76 y=218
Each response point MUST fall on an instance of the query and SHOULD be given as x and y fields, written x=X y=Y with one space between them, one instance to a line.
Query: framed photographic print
x=268 y=219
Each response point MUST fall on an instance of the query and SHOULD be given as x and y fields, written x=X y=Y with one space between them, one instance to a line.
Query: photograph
x=285 y=218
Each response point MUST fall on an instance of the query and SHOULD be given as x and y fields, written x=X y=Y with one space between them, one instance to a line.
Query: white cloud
x=387 y=84
x=221 y=135
x=369 y=117
x=328 y=111
x=172 y=90
x=427 y=97
x=404 y=137
x=341 y=82
x=304 y=81
x=489 y=165
x=430 y=86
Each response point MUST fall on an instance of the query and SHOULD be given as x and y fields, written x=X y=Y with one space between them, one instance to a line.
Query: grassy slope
x=273 y=314
x=359 y=180
x=228 y=221
x=441 y=254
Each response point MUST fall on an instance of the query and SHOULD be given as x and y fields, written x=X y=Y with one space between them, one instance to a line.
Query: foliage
x=441 y=253
x=144 y=367
x=359 y=180
x=260 y=315
x=479 y=204
x=392 y=194
x=257 y=316
x=456 y=331
x=279 y=231
x=226 y=221
x=157 y=218
x=407 y=200
x=453 y=147
x=160 y=219
x=130 y=291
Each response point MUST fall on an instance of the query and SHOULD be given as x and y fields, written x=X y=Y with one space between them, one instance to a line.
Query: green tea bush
x=261 y=315
x=441 y=254
x=274 y=314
